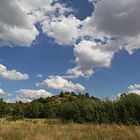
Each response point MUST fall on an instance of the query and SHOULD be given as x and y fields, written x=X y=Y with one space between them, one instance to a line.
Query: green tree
x=34 y=110
x=4 y=108
x=19 y=110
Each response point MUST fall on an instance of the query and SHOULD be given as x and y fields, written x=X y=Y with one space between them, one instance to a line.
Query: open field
x=54 y=130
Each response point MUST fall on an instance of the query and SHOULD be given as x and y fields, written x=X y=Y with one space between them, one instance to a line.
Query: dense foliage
x=77 y=108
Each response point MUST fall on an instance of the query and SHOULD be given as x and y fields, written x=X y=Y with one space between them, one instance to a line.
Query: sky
x=49 y=46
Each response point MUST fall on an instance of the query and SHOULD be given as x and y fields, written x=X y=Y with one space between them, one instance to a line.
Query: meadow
x=44 y=129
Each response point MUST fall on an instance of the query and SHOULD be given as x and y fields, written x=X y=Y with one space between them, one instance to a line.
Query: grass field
x=54 y=130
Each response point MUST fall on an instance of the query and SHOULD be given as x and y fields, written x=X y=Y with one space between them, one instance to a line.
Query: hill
x=80 y=108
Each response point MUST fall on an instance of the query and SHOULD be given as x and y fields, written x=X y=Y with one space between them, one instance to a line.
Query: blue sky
x=62 y=56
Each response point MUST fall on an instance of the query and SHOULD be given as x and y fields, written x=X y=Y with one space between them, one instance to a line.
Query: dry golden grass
x=54 y=130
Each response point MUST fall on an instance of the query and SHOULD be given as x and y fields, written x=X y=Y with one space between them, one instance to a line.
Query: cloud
x=93 y=1
x=116 y=19
x=89 y=56
x=19 y=17
x=2 y=92
x=30 y=94
x=59 y=83
x=16 y=26
x=17 y=99
x=30 y=5
x=63 y=29
x=135 y=88
x=39 y=76
x=119 y=20
x=12 y=74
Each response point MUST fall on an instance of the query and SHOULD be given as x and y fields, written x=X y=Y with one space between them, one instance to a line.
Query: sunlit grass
x=54 y=130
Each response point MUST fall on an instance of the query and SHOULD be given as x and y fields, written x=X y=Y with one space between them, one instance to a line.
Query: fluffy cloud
x=12 y=74
x=119 y=20
x=18 y=19
x=2 y=92
x=59 y=83
x=33 y=94
x=135 y=86
x=16 y=27
x=134 y=89
x=89 y=56
x=34 y=4
x=65 y=30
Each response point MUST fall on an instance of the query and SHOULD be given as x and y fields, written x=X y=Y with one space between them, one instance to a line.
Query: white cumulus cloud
x=2 y=92
x=63 y=29
x=59 y=83
x=16 y=26
x=12 y=74
x=31 y=94
x=89 y=56
x=135 y=88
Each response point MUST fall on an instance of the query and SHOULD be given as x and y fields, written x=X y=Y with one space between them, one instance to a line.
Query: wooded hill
x=79 y=108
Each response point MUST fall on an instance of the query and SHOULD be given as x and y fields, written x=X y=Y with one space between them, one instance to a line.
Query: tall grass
x=55 y=130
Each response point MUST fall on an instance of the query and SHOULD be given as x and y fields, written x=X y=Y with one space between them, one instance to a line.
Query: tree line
x=79 y=108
